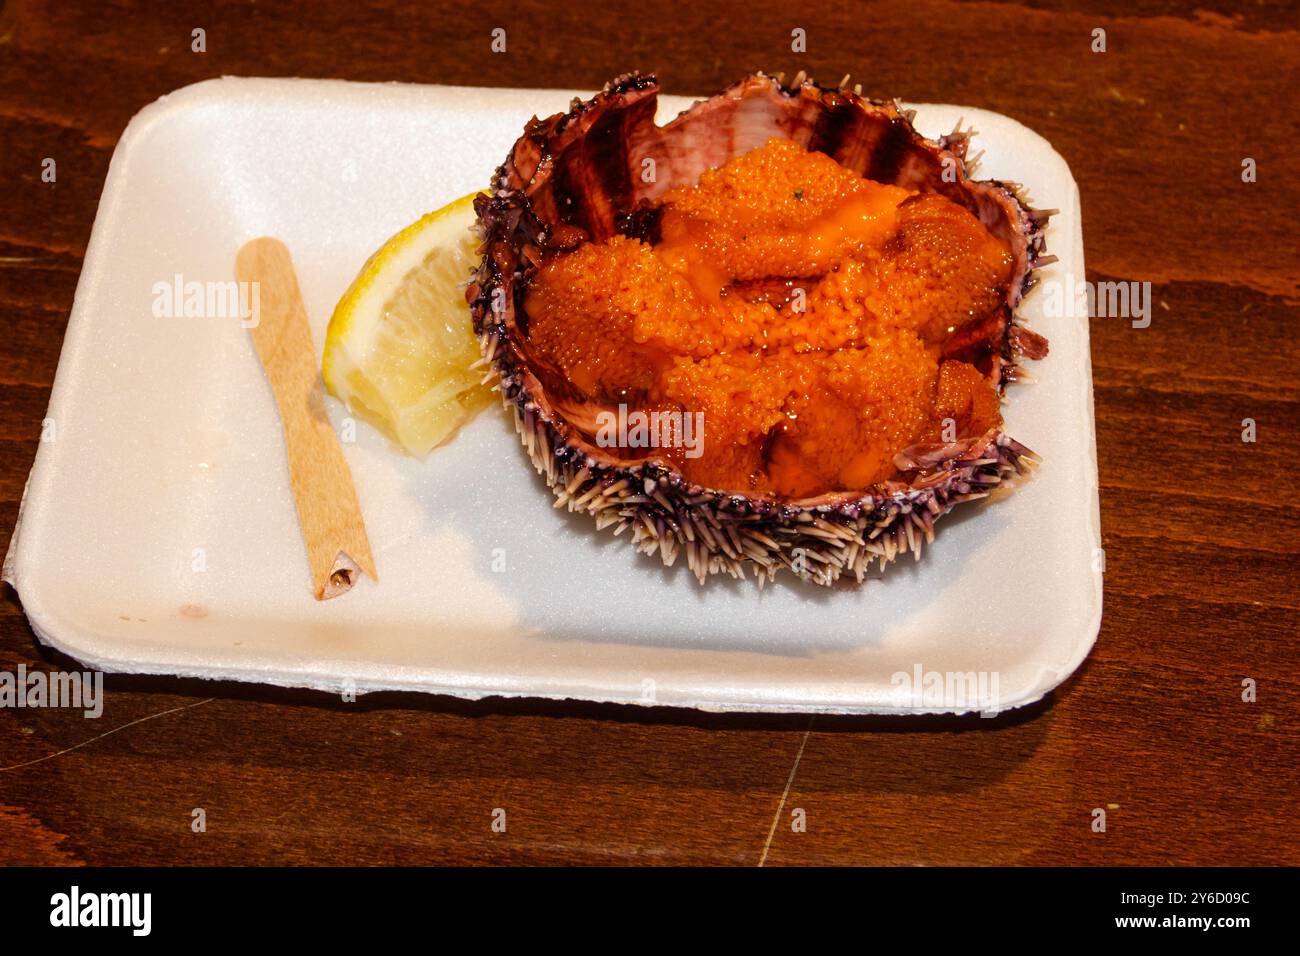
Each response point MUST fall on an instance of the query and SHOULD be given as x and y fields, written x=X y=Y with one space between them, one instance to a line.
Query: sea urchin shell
x=577 y=178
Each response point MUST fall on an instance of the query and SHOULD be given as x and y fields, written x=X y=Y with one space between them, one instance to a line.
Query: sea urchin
x=826 y=288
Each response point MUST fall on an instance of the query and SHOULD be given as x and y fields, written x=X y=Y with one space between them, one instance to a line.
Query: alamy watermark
x=81 y=691
x=1068 y=295
x=638 y=429
x=949 y=690
x=182 y=299
x=75 y=908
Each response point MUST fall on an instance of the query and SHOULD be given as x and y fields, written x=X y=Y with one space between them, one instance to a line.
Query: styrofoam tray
x=158 y=534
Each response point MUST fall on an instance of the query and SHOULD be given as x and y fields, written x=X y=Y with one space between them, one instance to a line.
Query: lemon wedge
x=400 y=345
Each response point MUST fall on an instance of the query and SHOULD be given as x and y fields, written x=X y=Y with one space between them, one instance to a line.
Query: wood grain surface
x=1200 y=528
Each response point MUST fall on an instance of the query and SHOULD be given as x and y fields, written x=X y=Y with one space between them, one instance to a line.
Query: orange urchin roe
x=854 y=410
x=803 y=310
x=611 y=316
x=962 y=398
x=742 y=397
x=775 y=211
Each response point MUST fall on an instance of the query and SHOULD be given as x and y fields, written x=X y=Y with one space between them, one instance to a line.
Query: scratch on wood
x=108 y=733
x=776 y=818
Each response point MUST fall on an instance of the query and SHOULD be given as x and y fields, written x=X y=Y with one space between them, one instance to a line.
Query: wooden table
x=1200 y=528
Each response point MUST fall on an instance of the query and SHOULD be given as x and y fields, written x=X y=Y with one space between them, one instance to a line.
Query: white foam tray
x=166 y=441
